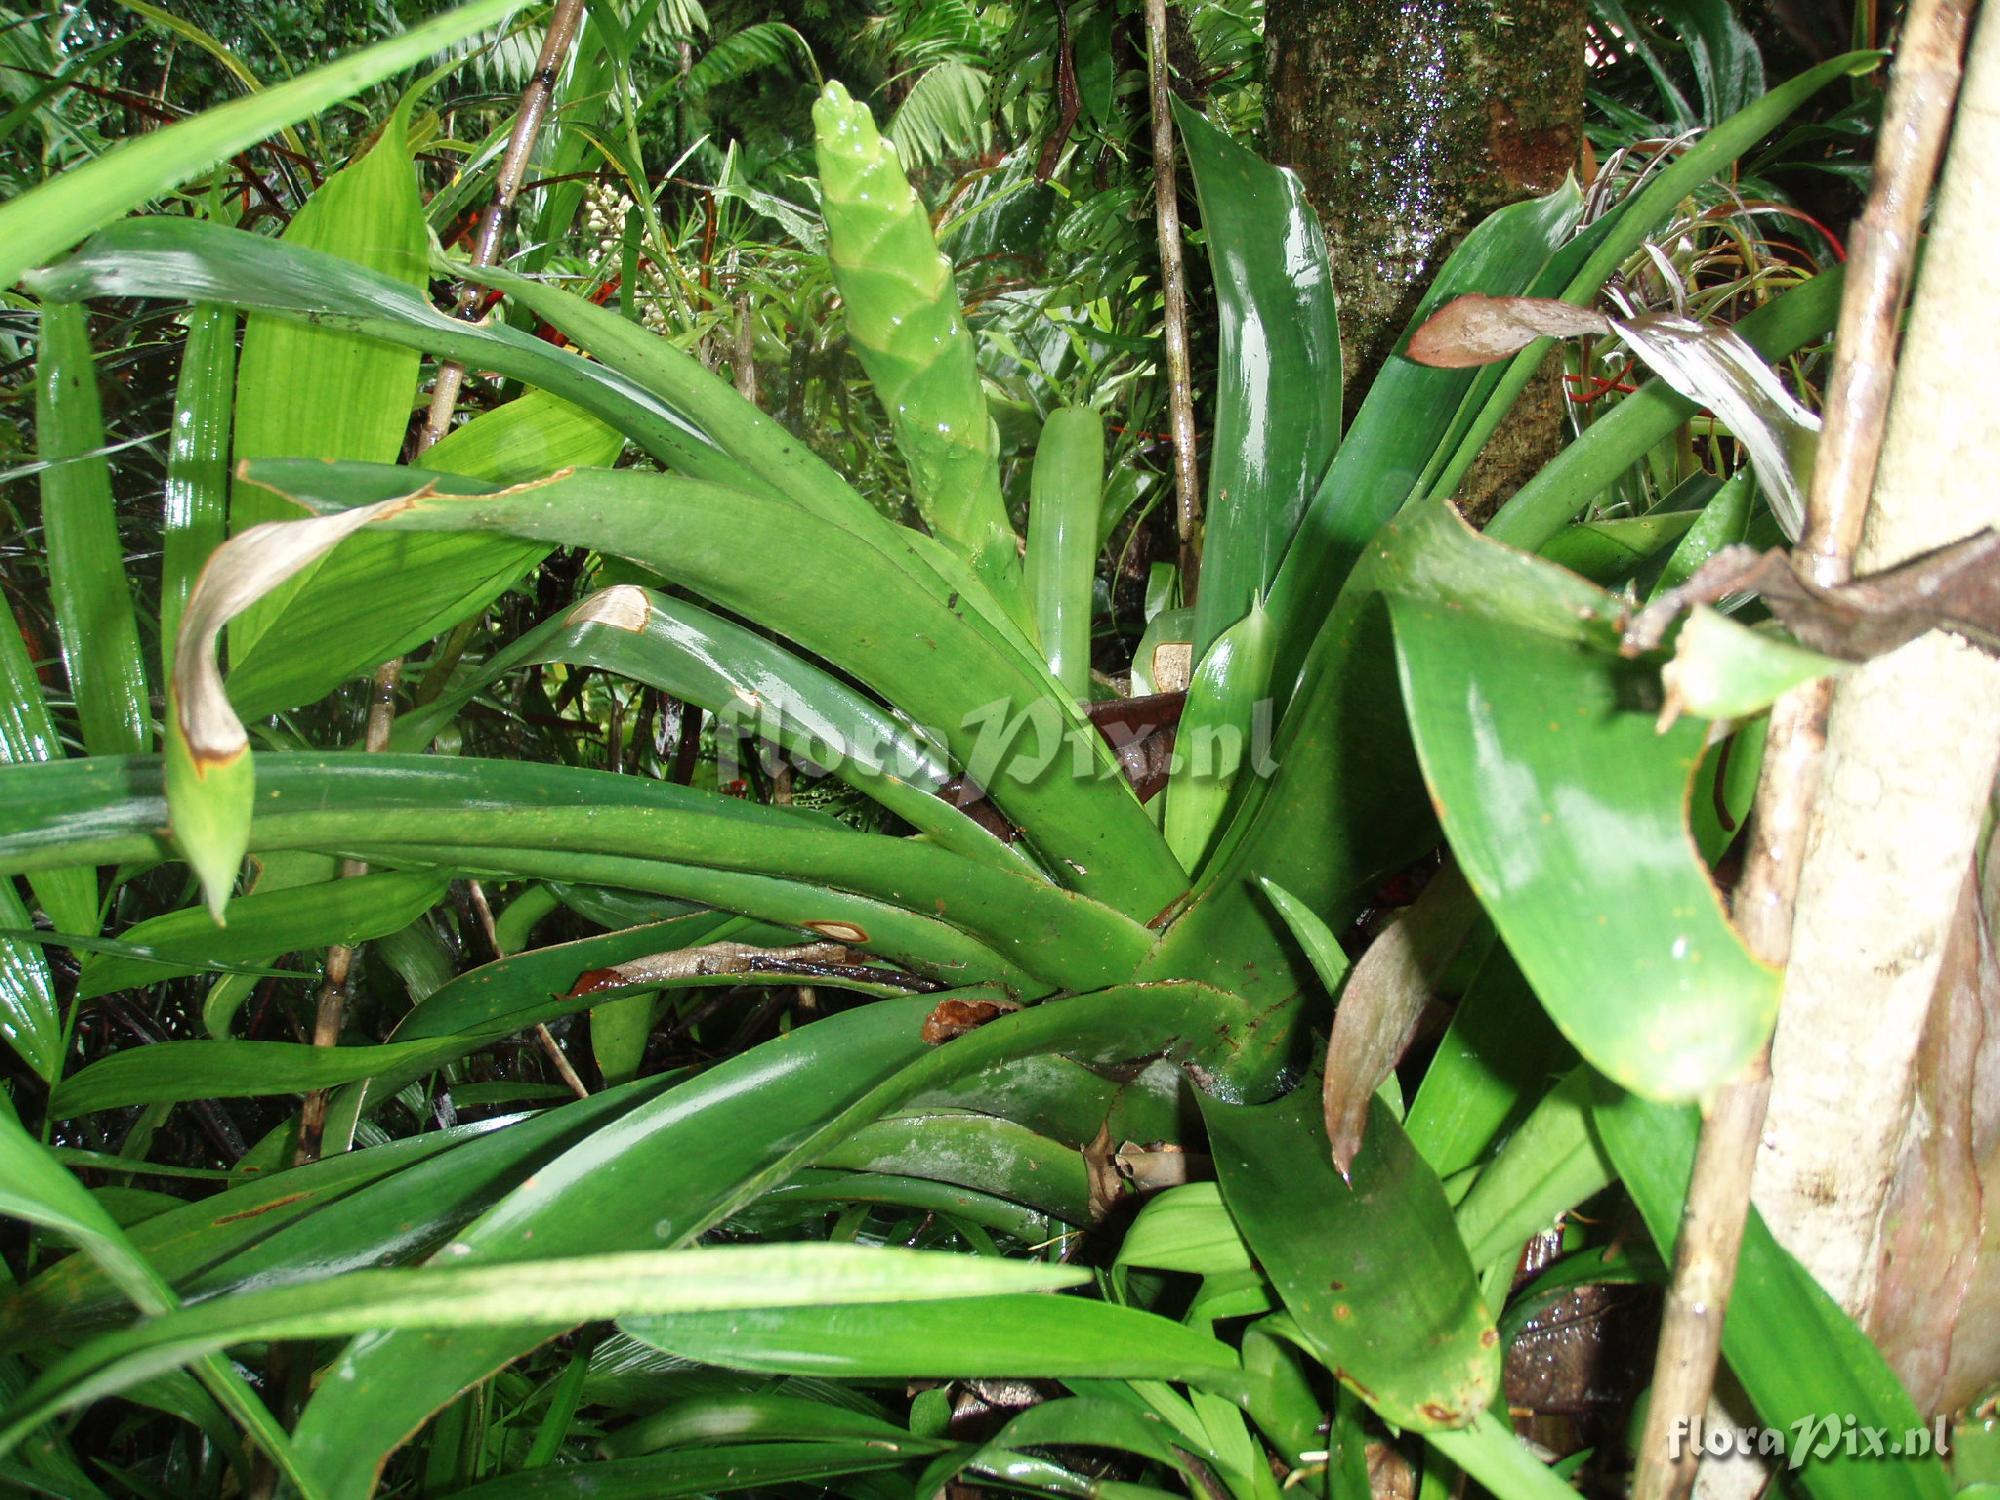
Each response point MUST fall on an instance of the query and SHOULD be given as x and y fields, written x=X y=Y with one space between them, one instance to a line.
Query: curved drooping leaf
x=702 y=1471
x=1567 y=810
x=1371 y=1269
x=1277 y=402
x=1053 y=774
x=502 y=818
x=563 y=1290
x=183 y=259
x=752 y=686
x=1799 y=1357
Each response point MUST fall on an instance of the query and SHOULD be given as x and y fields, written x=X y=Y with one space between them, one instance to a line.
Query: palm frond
x=944 y=115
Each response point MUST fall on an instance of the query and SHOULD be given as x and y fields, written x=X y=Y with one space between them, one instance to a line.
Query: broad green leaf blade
x=1064 y=491
x=379 y=597
x=93 y=602
x=1186 y=1229
x=1568 y=811
x=197 y=495
x=47 y=219
x=305 y=391
x=1489 y=1451
x=1372 y=1269
x=1548 y=1166
x=992 y=1155
x=701 y=1420
x=560 y=1291
x=507 y=820
x=1019 y=1336
x=904 y=320
x=1798 y=1355
x=262 y=926
x=1492 y=1066
x=1277 y=399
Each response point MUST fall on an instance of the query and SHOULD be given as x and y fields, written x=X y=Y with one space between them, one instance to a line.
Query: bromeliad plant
x=1077 y=971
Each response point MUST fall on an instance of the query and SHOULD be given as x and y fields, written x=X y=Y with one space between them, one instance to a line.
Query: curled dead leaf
x=1478 y=330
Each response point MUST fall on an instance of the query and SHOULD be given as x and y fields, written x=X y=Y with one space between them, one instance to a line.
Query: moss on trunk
x=1409 y=121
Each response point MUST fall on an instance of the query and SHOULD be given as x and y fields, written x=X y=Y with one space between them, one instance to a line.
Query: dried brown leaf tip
x=1477 y=330
x=954 y=1018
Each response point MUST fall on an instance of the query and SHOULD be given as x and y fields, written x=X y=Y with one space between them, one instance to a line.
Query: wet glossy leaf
x=1372 y=1269
x=560 y=1291
x=1277 y=398
x=1065 y=487
x=1567 y=810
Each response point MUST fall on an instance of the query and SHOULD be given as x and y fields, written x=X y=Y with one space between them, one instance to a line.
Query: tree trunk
x=1410 y=122
x=1912 y=746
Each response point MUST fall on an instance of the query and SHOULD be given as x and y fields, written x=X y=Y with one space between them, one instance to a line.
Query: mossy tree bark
x=1408 y=123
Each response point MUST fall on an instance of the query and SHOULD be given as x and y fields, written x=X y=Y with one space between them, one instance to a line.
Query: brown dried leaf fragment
x=1478 y=330
x=954 y=1018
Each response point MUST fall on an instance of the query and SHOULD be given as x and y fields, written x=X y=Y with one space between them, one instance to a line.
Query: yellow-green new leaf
x=305 y=391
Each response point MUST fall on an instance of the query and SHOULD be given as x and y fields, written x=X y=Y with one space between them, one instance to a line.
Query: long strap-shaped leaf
x=182 y=259
x=1033 y=752
x=753 y=686
x=669 y=1171
x=1371 y=1269
x=93 y=602
x=595 y=827
x=568 y=1290
x=1277 y=404
x=34 y=1187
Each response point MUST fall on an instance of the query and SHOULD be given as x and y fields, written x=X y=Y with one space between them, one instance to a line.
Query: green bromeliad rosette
x=903 y=317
